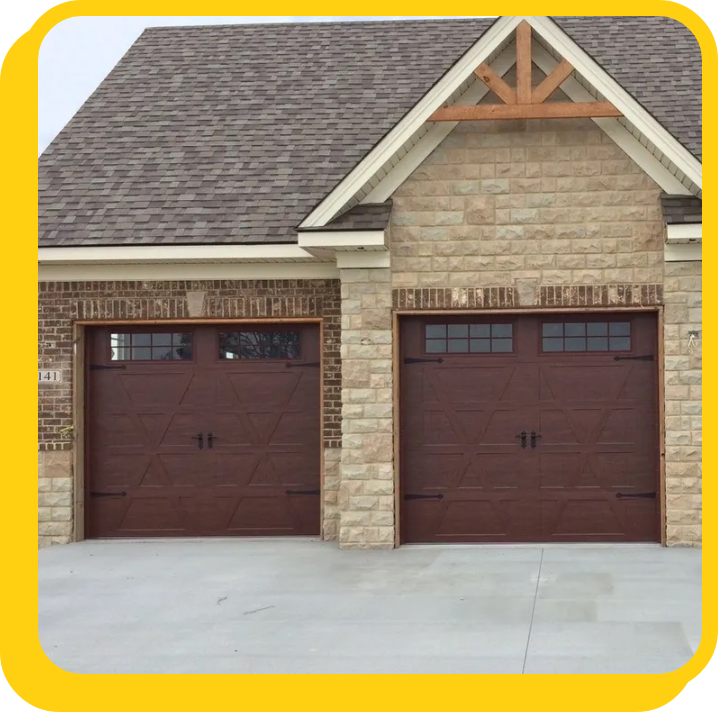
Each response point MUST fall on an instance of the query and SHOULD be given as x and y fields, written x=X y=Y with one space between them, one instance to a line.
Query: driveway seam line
x=533 y=613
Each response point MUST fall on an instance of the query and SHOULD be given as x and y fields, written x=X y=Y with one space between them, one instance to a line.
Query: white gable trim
x=464 y=68
x=691 y=232
x=621 y=136
x=619 y=97
x=400 y=134
x=436 y=134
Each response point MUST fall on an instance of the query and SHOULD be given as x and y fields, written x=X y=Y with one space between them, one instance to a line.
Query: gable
x=452 y=99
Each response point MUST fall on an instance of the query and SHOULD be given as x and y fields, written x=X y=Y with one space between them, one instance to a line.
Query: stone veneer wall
x=683 y=379
x=366 y=493
x=552 y=214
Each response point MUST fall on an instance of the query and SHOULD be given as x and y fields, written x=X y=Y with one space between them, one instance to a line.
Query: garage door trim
x=80 y=410
x=401 y=314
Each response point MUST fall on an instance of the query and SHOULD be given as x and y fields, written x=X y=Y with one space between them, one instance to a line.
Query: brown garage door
x=529 y=428
x=206 y=431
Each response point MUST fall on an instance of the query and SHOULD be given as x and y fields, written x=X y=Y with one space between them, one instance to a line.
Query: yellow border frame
x=33 y=676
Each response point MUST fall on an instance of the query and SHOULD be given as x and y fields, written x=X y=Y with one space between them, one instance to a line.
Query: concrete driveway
x=304 y=607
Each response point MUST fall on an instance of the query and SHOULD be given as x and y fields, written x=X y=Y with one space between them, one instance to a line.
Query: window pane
x=481 y=331
x=620 y=328
x=553 y=330
x=553 y=344
x=161 y=339
x=181 y=339
x=141 y=339
x=152 y=347
x=598 y=329
x=458 y=346
x=458 y=331
x=259 y=345
x=161 y=353
x=575 y=329
x=578 y=344
x=480 y=346
x=436 y=331
x=598 y=343
x=501 y=345
x=436 y=346
x=620 y=343
x=502 y=330
x=142 y=354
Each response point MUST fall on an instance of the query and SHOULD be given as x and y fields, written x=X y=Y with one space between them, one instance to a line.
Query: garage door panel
x=191 y=442
x=590 y=449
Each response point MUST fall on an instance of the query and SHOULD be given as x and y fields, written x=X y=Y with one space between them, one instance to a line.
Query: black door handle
x=535 y=438
x=200 y=440
x=522 y=436
x=108 y=494
x=304 y=492
x=409 y=497
x=210 y=440
x=639 y=495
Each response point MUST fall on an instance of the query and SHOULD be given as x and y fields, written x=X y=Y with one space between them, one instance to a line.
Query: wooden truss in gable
x=525 y=101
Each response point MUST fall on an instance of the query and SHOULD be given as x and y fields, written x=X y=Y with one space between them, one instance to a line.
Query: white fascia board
x=400 y=134
x=363 y=260
x=623 y=138
x=689 y=252
x=428 y=143
x=608 y=87
x=684 y=233
x=343 y=240
x=158 y=254
x=184 y=271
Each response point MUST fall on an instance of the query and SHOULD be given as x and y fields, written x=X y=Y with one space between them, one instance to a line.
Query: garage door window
x=586 y=336
x=151 y=347
x=259 y=345
x=469 y=338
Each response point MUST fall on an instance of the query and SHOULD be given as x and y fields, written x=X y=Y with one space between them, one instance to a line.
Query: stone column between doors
x=366 y=491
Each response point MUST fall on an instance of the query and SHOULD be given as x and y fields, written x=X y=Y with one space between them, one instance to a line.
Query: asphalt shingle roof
x=681 y=209
x=232 y=134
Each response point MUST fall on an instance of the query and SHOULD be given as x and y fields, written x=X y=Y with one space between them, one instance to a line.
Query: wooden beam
x=553 y=81
x=564 y=110
x=523 y=63
x=497 y=85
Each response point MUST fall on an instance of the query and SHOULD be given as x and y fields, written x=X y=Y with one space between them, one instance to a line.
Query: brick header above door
x=598 y=295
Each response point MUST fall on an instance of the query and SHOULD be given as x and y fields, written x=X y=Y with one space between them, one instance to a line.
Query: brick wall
x=61 y=304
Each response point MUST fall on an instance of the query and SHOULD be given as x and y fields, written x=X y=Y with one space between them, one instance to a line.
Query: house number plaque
x=49 y=377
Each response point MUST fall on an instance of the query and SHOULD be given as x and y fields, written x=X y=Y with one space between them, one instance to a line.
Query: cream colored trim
x=623 y=138
x=343 y=240
x=390 y=183
x=363 y=260
x=686 y=252
x=612 y=91
x=113 y=272
x=415 y=119
x=689 y=232
x=154 y=254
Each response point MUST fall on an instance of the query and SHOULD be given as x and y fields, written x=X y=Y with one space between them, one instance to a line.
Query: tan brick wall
x=553 y=214
x=63 y=303
x=366 y=493
x=683 y=378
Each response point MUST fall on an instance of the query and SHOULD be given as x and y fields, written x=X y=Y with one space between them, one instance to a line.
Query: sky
x=78 y=54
